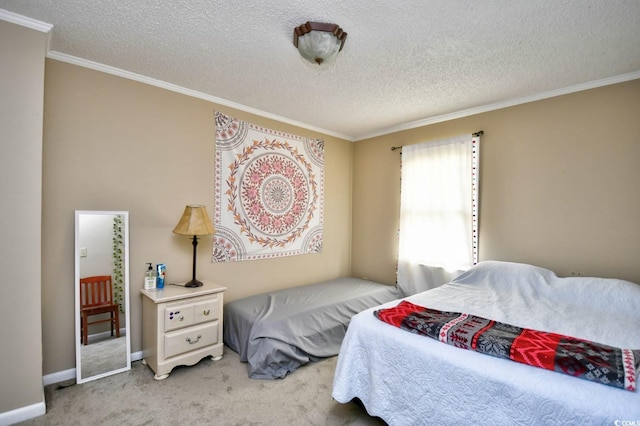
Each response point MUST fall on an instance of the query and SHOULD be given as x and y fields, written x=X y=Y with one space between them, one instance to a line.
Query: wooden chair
x=96 y=297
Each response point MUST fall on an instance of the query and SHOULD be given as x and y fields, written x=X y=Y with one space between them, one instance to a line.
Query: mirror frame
x=125 y=214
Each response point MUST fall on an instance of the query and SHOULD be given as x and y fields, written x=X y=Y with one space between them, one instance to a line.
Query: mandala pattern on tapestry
x=269 y=192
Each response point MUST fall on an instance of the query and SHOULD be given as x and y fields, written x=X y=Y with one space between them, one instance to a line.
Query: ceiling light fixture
x=319 y=42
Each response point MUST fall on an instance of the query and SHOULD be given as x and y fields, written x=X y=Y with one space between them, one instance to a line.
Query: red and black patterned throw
x=569 y=355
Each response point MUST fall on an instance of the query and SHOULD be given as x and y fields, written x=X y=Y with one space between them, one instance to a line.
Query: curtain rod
x=476 y=134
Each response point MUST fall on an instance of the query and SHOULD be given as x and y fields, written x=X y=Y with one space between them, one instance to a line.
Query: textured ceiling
x=403 y=62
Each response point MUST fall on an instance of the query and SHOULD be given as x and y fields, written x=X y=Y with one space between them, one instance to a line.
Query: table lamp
x=194 y=222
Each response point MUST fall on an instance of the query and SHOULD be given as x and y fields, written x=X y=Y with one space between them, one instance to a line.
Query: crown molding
x=505 y=104
x=25 y=21
x=183 y=90
x=393 y=129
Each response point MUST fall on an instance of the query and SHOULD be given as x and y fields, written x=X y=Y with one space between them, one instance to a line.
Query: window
x=439 y=207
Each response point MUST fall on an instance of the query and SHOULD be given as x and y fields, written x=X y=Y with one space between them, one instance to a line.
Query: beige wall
x=21 y=91
x=559 y=185
x=115 y=144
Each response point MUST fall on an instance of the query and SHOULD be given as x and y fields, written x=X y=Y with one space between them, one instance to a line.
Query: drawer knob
x=206 y=312
x=193 y=342
x=181 y=318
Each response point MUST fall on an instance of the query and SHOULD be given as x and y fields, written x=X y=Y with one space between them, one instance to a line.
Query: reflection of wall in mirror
x=96 y=236
x=96 y=233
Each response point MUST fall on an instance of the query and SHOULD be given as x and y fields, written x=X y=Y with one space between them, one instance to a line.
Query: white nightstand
x=180 y=326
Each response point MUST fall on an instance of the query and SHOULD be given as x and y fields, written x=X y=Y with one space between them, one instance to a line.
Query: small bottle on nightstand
x=150 y=278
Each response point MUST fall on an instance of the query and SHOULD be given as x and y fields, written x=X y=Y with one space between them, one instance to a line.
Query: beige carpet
x=208 y=393
x=103 y=355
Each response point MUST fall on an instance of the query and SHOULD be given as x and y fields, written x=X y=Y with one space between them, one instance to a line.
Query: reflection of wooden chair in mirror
x=96 y=297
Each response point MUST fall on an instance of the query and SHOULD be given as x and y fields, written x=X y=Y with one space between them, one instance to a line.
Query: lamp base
x=194 y=283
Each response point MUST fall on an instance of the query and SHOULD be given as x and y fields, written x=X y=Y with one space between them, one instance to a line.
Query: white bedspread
x=409 y=379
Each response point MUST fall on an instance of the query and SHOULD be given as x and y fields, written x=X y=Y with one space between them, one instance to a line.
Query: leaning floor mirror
x=103 y=345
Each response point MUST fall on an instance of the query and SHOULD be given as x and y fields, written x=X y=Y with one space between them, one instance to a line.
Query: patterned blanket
x=569 y=355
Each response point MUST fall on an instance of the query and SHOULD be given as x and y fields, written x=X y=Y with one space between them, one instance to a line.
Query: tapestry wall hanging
x=269 y=192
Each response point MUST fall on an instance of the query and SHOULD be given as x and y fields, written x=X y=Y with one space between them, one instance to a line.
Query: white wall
x=96 y=234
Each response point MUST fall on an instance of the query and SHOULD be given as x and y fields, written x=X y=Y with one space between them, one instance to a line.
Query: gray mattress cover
x=277 y=332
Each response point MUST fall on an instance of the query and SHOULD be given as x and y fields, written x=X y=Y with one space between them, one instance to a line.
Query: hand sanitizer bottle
x=150 y=278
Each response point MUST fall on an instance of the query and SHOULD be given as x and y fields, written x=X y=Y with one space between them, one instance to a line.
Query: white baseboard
x=23 y=413
x=59 y=376
x=70 y=374
x=104 y=335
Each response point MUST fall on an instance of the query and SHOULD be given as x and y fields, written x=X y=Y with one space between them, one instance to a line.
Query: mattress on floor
x=279 y=331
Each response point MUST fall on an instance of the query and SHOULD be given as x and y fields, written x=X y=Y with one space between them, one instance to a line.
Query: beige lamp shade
x=194 y=221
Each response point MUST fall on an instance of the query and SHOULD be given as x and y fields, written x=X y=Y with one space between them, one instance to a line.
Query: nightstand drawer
x=190 y=339
x=207 y=310
x=178 y=316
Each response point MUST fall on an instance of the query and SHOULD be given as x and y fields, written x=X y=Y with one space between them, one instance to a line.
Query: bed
x=406 y=378
x=277 y=332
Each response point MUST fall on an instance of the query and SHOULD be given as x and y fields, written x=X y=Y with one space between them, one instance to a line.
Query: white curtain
x=438 y=212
